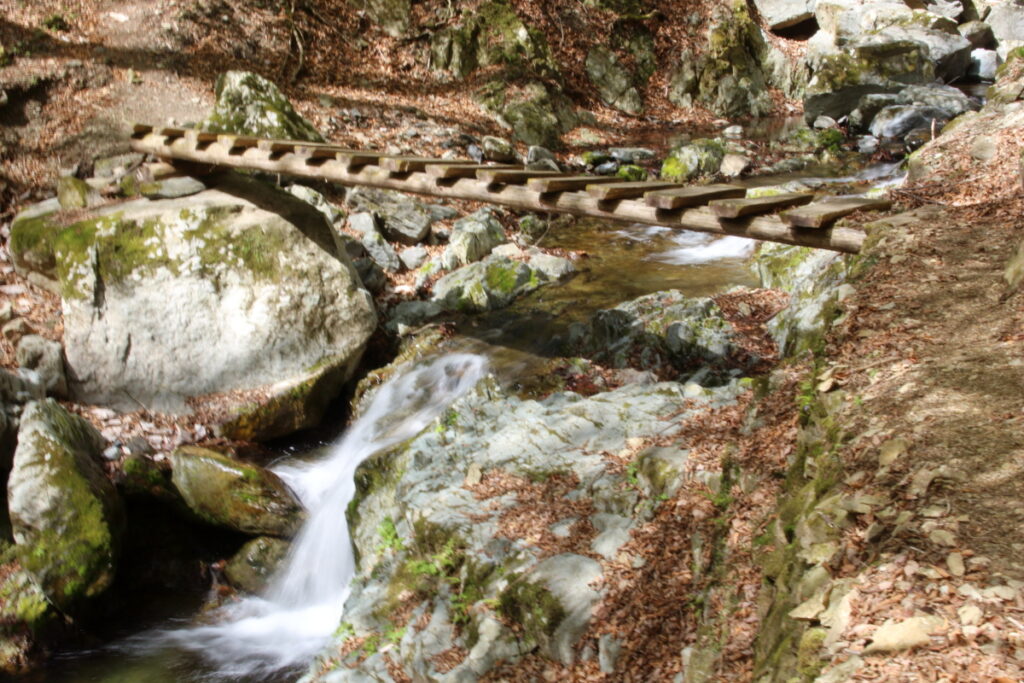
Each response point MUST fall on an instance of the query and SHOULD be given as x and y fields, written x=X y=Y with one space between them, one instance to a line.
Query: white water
x=303 y=606
x=697 y=247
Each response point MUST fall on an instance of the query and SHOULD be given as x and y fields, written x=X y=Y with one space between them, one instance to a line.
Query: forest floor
x=931 y=343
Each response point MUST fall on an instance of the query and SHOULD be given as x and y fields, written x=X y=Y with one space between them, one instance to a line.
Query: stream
x=274 y=637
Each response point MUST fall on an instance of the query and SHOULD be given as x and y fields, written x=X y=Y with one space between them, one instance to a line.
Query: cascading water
x=289 y=626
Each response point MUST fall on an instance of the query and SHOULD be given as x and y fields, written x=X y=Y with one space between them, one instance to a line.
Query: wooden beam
x=737 y=208
x=821 y=214
x=683 y=197
x=512 y=176
x=409 y=164
x=627 y=190
x=465 y=169
x=354 y=159
x=578 y=182
x=514 y=196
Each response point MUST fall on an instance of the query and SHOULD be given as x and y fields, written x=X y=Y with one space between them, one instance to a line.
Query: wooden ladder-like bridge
x=724 y=209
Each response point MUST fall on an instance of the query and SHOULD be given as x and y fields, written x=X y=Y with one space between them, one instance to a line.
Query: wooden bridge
x=724 y=209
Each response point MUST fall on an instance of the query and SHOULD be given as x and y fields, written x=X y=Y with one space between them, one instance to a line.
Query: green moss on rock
x=248 y=104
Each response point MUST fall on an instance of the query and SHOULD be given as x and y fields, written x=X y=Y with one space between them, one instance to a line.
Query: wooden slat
x=409 y=164
x=354 y=159
x=737 y=208
x=237 y=142
x=822 y=214
x=458 y=169
x=141 y=130
x=578 y=182
x=627 y=190
x=318 y=150
x=278 y=146
x=512 y=176
x=684 y=197
x=200 y=137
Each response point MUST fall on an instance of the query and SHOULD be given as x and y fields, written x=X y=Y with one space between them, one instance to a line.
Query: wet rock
x=693 y=160
x=402 y=218
x=472 y=238
x=248 y=104
x=978 y=34
x=65 y=514
x=231 y=494
x=867 y=144
x=238 y=287
x=897 y=121
x=498 y=149
x=614 y=83
x=46 y=358
x=252 y=567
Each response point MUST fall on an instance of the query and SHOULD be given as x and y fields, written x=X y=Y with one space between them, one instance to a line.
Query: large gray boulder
x=1007 y=22
x=490 y=284
x=65 y=514
x=237 y=288
x=402 y=218
x=248 y=104
x=780 y=14
x=473 y=238
x=897 y=121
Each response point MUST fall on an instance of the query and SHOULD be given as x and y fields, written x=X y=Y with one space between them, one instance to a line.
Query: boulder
x=319 y=202
x=251 y=568
x=248 y=104
x=380 y=252
x=74 y=193
x=780 y=14
x=947 y=49
x=413 y=257
x=868 y=107
x=537 y=113
x=693 y=160
x=401 y=218
x=46 y=358
x=613 y=81
x=393 y=16
x=896 y=121
x=65 y=514
x=1007 y=22
x=948 y=99
x=236 y=288
x=498 y=149
x=983 y=64
x=228 y=493
x=487 y=285
x=978 y=33
x=15 y=392
x=473 y=238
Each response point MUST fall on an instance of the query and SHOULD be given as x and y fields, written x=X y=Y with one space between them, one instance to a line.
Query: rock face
x=427 y=527
x=537 y=113
x=613 y=81
x=65 y=515
x=228 y=493
x=248 y=104
x=659 y=331
x=234 y=288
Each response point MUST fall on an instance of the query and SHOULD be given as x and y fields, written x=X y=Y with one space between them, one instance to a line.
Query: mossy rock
x=231 y=494
x=487 y=285
x=694 y=160
x=66 y=516
x=248 y=104
x=251 y=568
x=730 y=78
x=393 y=16
x=537 y=113
x=31 y=244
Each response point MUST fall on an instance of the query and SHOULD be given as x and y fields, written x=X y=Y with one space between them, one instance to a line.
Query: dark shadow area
x=802 y=31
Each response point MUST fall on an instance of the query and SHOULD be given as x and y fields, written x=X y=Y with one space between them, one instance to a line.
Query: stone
x=46 y=358
x=983 y=64
x=898 y=120
x=537 y=153
x=413 y=257
x=552 y=267
x=904 y=635
x=473 y=238
x=370 y=274
x=950 y=100
x=319 y=202
x=486 y=285
x=364 y=223
x=869 y=106
x=544 y=165
x=734 y=165
x=693 y=160
x=608 y=649
x=631 y=173
x=614 y=83
x=984 y=148
x=382 y=253
x=631 y=155
x=780 y=14
x=1007 y=22
x=498 y=149
x=231 y=494
x=867 y=144
x=65 y=514
x=116 y=166
x=978 y=34
x=536 y=112
x=951 y=9
x=248 y=104
x=402 y=218
x=824 y=122
x=392 y=16
x=238 y=287
x=73 y=193
x=405 y=316
x=251 y=568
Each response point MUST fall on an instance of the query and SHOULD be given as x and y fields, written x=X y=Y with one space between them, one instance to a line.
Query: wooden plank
x=822 y=214
x=409 y=164
x=141 y=130
x=684 y=197
x=237 y=142
x=628 y=190
x=354 y=159
x=278 y=146
x=512 y=176
x=737 y=208
x=459 y=169
x=318 y=151
x=578 y=182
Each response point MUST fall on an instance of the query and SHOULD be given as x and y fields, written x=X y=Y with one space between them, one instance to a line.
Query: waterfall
x=303 y=606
